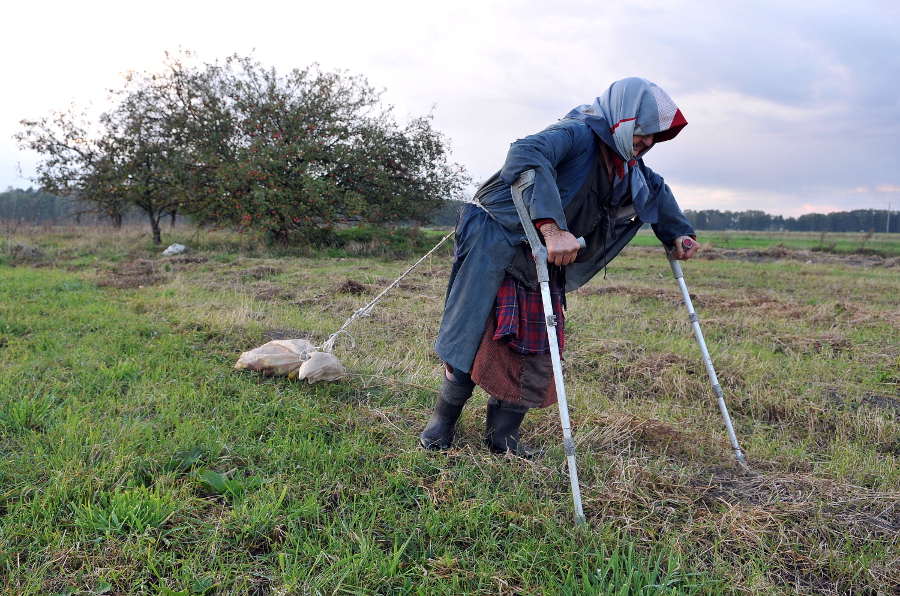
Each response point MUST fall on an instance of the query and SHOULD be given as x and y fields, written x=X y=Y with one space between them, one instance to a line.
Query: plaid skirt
x=513 y=361
x=520 y=316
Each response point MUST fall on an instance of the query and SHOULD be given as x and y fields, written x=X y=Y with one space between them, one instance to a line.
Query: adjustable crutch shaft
x=717 y=389
x=525 y=180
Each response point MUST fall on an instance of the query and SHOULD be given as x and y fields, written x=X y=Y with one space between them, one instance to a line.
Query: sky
x=793 y=105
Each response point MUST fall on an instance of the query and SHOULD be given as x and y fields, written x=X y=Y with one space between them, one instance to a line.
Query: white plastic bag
x=174 y=249
x=321 y=366
x=279 y=357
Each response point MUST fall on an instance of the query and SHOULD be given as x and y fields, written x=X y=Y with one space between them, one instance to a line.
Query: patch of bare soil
x=882 y=402
x=352 y=287
x=135 y=274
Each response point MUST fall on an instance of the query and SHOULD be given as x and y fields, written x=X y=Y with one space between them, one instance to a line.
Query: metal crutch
x=539 y=251
x=717 y=389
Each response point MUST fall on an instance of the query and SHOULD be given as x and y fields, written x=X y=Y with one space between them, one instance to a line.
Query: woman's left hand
x=684 y=248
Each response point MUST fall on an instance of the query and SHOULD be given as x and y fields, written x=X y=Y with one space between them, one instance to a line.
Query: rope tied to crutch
x=366 y=310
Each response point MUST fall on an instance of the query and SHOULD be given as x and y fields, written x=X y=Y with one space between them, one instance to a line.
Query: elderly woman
x=590 y=182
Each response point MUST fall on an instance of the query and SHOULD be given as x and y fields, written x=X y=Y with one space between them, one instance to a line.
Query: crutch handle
x=687 y=244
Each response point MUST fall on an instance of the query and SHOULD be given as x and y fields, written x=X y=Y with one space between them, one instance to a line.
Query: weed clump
x=352 y=287
x=135 y=510
x=23 y=412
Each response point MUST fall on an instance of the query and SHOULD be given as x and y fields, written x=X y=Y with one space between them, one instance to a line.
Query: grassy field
x=841 y=243
x=135 y=460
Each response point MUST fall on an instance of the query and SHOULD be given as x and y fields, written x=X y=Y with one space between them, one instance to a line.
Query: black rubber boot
x=502 y=430
x=438 y=433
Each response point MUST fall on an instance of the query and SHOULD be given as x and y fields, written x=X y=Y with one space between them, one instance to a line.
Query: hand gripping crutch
x=717 y=389
x=539 y=251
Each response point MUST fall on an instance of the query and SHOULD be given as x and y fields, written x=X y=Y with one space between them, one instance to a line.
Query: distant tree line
x=235 y=144
x=38 y=206
x=711 y=219
x=34 y=206
x=858 y=220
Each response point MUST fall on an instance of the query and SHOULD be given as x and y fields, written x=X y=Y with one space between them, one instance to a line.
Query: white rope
x=365 y=311
x=475 y=201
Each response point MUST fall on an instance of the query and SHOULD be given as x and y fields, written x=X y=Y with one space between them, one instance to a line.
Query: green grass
x=840 y=243
x=135 y=460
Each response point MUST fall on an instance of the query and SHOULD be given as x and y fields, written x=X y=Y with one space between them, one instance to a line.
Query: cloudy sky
x=793 y=105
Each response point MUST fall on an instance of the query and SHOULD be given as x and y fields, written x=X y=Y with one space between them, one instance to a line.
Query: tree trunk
x=174 y=214
x=157 y=233
x=116 y=219
x=276 y=237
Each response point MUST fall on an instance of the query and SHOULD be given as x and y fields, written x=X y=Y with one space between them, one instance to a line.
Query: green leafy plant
x=32 y=412
x=135 y=510
x=198 y=586
x=185 y=460
x=180 y=464
x=230 y=488
x=624 y=573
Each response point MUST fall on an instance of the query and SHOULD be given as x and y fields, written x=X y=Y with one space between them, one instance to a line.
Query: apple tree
x=312 y=150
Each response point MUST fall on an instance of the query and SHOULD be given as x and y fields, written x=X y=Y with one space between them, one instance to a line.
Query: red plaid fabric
x=520 y=315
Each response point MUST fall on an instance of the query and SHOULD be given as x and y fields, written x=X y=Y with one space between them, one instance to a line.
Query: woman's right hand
x=562 y=247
